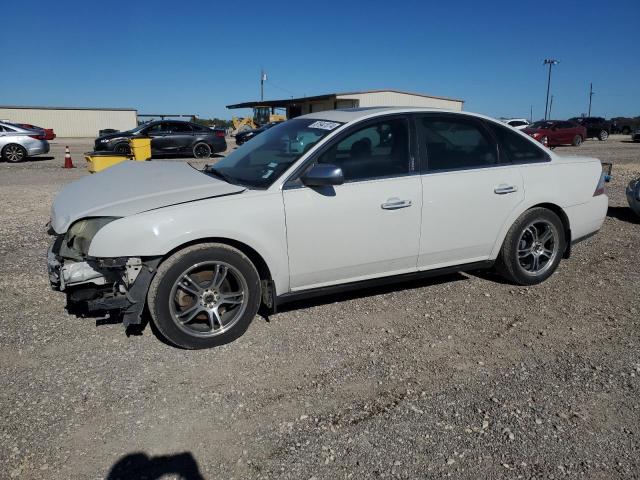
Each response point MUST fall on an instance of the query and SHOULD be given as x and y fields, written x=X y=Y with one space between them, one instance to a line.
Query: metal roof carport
x=368 y=98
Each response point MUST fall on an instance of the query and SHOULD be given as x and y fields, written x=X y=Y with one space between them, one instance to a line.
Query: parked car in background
x=624 y=125
x=49 y=134
x=635 y=136
x=518 y=123
x=18 y=143
x=107 y=131
x=167 y=138
x=374 y=193
x=246 y=135
x=597 y=127
x=633 y=195
x=552 y=133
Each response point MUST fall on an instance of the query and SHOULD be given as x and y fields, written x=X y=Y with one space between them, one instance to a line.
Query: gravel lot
x=461 y=376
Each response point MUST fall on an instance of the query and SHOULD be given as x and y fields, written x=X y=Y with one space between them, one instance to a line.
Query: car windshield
x=543 y=124
x=266 y=157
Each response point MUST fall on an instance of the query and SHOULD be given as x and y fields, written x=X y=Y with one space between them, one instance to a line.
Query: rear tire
x=204 y=296
x=532 y=248
x=201 y=150
x=577 y=141
x=603 y=135
x=14 y=153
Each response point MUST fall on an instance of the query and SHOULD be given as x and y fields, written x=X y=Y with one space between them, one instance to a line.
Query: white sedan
x=325 y=201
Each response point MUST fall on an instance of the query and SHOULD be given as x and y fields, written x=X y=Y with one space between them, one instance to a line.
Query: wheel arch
x=256 y=258
x=555 y=208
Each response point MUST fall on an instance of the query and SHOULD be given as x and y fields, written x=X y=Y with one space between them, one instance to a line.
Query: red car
x=48 y=132
x=552 y=133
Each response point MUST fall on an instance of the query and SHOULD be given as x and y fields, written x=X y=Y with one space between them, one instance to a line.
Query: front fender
x=255 y=219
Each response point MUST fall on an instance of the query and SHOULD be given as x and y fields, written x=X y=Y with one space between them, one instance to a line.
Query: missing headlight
x=78 y=238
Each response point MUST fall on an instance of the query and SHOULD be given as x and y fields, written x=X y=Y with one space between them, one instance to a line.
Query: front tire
x=577 y=141
x=122 y=149
x=14 y=153
x=603 y=135
x=204 y=296
x=532 y=248
x=201 y=150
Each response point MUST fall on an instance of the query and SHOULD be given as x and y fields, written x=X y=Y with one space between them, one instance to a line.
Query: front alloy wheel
x=603 y=135
x=204 y=295
x=14 y=153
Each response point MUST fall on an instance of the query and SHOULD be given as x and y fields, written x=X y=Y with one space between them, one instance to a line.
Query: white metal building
x=72 y=121
x=367 y=98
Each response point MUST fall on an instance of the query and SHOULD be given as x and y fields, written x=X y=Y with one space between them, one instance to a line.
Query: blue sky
x=198 y=56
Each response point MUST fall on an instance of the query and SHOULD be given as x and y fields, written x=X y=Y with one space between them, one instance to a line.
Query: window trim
x=424 y=155
x=293 y=181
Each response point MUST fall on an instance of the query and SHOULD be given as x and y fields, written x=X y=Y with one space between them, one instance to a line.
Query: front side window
x=376 y=151
x=455 y=144
x=260 y=162
x=515 y=147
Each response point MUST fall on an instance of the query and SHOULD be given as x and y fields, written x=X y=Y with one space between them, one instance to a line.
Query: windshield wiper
x=220 y=175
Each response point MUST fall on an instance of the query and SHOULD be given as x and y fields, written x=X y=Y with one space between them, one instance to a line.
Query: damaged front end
x=96 y=286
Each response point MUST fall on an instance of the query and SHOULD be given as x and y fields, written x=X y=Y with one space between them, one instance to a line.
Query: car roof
x=354 y=114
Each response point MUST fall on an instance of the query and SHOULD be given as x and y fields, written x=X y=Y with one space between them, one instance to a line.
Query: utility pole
x=530 y=113
x=550 y=105
x=263 y=78
x=551 y=62
x=590 y=96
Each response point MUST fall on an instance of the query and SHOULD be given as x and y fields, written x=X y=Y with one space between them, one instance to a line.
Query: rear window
x=515 y=147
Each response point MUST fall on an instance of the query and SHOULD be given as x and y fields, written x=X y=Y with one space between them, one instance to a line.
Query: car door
x=468 y=193
x=180 y=138
x=367 y=227
x=159 y=134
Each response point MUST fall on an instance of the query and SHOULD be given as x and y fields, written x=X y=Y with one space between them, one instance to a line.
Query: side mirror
x=322 y=175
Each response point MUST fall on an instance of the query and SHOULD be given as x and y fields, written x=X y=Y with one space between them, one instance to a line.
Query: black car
x=167 y=138
x=597 y=127
x=247 y=135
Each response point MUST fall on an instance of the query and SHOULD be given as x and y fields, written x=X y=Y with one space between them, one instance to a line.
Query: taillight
x=600 y=186
x=220 y=134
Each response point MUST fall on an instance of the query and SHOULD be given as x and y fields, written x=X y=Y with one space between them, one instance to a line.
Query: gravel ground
x=462 y=376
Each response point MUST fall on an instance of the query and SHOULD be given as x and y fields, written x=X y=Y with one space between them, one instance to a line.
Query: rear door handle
x=395 y=204
x=503 y=189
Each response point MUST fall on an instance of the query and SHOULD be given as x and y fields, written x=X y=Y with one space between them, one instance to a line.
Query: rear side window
x=455 y=143
x=516 y=148
x=179 y=127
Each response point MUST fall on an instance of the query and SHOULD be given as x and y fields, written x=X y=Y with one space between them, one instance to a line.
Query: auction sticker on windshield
x=324 y=125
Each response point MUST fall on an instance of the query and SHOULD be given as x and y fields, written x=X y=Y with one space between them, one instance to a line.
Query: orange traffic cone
x=68 y=163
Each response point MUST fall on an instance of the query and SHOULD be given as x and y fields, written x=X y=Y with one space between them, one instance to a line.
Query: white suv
x=325 y=201
x=517 y=123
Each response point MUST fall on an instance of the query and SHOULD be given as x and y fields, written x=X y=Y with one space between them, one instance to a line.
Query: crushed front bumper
x=95 y=286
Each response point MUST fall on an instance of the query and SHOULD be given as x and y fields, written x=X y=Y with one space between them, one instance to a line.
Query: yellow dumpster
x=98 y=161
x=141 y=148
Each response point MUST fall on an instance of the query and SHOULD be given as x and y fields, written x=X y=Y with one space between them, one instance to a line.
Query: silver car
x=17 y=143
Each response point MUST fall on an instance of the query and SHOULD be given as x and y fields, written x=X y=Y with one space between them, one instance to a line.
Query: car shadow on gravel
x=623 y=213
x=139 y=465
x=366 y=292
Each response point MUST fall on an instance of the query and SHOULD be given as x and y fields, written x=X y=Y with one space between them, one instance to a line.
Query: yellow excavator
x=261 y=116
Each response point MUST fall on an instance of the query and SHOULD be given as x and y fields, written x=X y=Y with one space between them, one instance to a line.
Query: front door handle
x=503 y=189
x=395 y=204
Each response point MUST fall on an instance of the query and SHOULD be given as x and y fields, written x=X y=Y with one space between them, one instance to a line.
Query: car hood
x=134 y=187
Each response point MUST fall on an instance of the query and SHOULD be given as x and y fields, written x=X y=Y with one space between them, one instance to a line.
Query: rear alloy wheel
x=603 y=135
x=545 y=141
x=532 y=248
x=122 y=149
x=14 y=153
x=204 y=296
x=201 y=150
x=577 y=141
